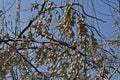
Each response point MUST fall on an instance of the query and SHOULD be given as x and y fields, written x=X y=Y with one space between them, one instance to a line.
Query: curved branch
x=8 y=8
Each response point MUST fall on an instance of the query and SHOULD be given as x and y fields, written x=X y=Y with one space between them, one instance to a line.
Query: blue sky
x=106 y=28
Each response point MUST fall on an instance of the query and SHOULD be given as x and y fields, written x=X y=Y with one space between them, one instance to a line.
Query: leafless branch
x=114 y=72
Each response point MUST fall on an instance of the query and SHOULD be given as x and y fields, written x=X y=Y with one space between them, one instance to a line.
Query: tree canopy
x=59 y=40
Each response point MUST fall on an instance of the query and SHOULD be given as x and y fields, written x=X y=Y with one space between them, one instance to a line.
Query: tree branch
x=32 y=20
x=64 y=44
x=114 y=72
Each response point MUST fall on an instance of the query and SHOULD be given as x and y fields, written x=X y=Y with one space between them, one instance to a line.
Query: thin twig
x=114 y=72
x=64 y=44
x=26 y=60
x=32 y=20
x=88 y=14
